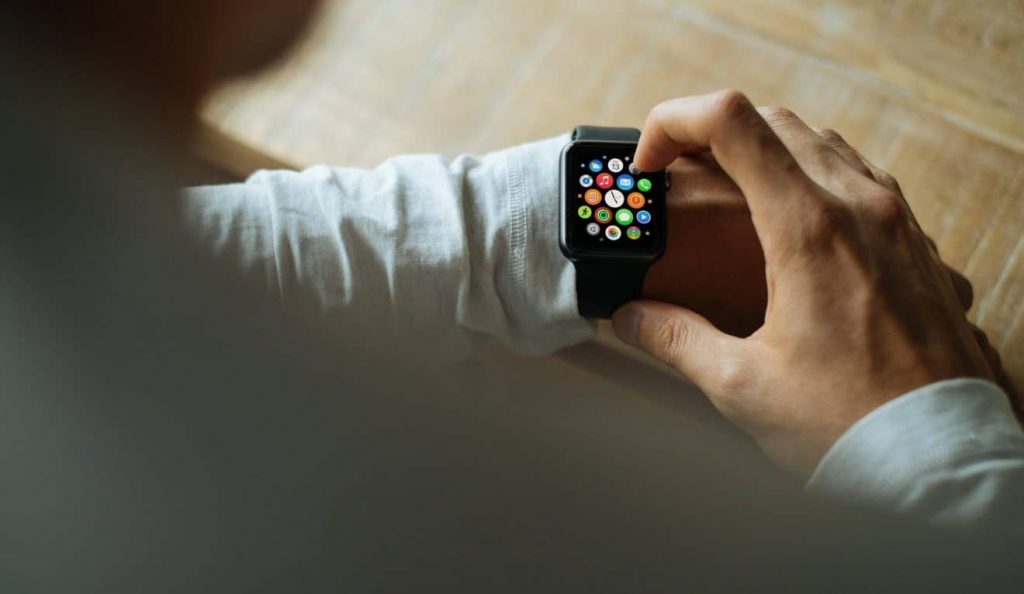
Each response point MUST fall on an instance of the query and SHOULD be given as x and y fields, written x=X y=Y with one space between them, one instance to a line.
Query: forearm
x=451 y=252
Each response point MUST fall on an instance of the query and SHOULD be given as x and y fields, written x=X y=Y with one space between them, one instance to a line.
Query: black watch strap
x=606 y=133
x=603 y=286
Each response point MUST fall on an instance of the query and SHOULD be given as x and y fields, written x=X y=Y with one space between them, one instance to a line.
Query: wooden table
x=932 y=91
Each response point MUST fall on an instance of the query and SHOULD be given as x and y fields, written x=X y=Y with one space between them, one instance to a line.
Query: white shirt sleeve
x=950 y=453
x=453 y=253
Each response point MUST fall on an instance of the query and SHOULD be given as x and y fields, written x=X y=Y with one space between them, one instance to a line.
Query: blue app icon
x=643 y=217
x=596 y=166
x=625 y=182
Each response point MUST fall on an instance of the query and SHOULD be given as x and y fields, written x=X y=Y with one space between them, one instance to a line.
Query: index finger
x=742 y=142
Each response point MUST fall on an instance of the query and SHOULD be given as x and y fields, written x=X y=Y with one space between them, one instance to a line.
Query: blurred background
x=931 y=91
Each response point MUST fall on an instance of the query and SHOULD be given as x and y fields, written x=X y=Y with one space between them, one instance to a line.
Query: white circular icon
x=613 y=233
x=586 y=181
x=633 y=169
x=614 y=198
x=615 y=165
x=593 y=229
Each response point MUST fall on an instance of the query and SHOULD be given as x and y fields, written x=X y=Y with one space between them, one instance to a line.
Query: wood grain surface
x=932 y=91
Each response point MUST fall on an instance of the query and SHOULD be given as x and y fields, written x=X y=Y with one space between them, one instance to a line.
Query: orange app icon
x=592 y=197
x=636 y=200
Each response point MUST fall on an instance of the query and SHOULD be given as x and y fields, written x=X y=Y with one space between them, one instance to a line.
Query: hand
x=859 y=310
x=713 y=263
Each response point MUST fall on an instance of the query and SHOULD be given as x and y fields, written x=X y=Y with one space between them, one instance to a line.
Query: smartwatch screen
x=611 y=208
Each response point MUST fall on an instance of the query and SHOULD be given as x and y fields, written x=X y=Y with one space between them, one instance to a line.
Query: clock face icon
x=614 y=198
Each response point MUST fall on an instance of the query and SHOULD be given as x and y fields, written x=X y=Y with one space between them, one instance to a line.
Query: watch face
x=609 y=207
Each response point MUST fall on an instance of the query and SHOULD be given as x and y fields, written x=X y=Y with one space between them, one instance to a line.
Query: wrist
x=612 y=217
x=713 y=263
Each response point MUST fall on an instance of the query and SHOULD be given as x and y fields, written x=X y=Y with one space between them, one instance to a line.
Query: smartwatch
x=612 y=223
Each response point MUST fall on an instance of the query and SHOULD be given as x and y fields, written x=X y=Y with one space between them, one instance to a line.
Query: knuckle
x=990 y=352
x=830 y=134
x=731 y=104
x=966 y=291
x=887 y=180
x=776 y=115
x=732 y=376
x=662 y=110
x=968 y=286
x=832 y=138
x=672 y=338
x=995 y=359
x=887 y=210
x=960 y=279
x=823 y=222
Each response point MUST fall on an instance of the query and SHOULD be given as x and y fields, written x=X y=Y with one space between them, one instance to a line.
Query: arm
x=454 y=252
x=950 y=453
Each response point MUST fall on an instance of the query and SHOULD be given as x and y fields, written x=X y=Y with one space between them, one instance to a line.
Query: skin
x=714 y=264
x=860 y=308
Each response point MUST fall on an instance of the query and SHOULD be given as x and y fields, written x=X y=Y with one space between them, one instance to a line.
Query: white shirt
x=467 y=251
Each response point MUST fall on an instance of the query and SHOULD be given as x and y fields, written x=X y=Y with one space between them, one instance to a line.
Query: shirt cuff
x=543 y=305
x=896 y=453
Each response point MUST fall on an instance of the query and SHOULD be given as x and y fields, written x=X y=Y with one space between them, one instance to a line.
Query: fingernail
x=625 y=323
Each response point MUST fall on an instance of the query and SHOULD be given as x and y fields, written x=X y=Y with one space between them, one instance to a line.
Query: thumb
x=679 y=337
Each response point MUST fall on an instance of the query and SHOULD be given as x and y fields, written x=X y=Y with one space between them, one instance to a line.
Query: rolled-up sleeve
x=950 y=453
x=454 y=253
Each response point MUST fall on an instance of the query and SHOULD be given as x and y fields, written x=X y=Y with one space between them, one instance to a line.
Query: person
x=929 y=411
x=241 y=390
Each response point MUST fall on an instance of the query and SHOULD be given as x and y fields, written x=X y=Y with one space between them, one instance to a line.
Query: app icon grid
x=608 y=175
